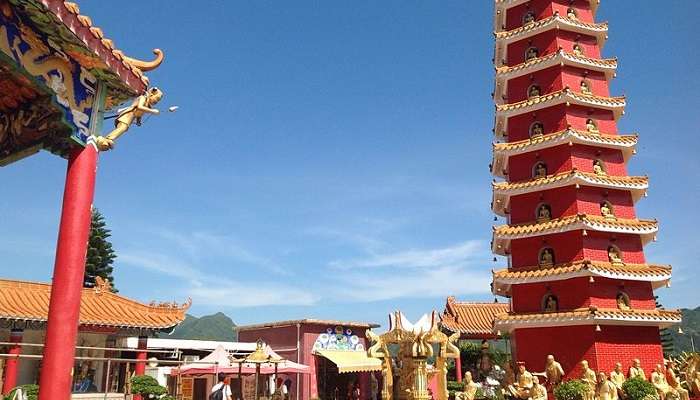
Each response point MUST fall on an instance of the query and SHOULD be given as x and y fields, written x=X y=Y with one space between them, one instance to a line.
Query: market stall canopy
x=351 y=361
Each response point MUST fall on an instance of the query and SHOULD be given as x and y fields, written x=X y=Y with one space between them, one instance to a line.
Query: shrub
x=31 y=391
x=571 y=390
x=148 y=386
x=639 y=389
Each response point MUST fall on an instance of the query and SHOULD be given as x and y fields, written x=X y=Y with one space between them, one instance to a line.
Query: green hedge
x=32 y=392
x=639 y=389
x=571 y=390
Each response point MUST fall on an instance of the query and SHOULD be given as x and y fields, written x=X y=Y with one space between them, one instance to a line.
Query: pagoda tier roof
x=503 y=151
x=587 y=316
x=503 y=191
x=564 y=96
x=473 y=320
x=556 y=21
x=502 y=235
x=29 y=302
x=503 y=5
x=561 y=58
x=503 y=279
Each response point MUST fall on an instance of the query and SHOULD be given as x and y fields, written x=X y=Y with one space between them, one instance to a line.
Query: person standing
x=221 y=391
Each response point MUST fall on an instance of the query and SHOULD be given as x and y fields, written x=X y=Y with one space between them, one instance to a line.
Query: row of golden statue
x=669 y=381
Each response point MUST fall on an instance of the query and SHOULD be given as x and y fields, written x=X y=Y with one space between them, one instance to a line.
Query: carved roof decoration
x=99 y=307
x=564 y=96
x=503 y=191
x=560 y=58
x=502 y=235
x=502 y=151
x=503 y=5
x=503 y=279
x=473 y=320
x=588 y=316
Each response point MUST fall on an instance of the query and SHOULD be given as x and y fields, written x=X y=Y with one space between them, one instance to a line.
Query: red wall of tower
x=557 y=118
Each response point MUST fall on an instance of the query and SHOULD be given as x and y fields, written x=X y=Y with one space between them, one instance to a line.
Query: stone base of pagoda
x=602 y=349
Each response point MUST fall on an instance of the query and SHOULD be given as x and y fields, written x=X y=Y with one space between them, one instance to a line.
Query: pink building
x=334 y=350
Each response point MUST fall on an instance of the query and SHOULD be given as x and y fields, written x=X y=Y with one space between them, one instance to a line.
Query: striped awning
x=351 y=361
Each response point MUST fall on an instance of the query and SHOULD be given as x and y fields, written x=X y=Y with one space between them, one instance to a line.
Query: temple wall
x=596 y=247
x=514 y=15
x=557 y=159
x=568 y=246
x=624 y=343
x=549 y=80
x=546 y=43
x=557 y=118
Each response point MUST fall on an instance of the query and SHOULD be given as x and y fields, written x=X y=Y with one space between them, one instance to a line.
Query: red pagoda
x=579 y=284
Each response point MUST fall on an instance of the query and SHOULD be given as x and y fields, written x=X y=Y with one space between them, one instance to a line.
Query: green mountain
x=690 y=327
x=209 y=327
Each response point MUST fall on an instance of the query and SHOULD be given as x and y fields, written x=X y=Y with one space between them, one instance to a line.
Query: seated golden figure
x=470 y=388
x=546 y=258
x=617 y=377
x=614 y=256
x=538 y=392
x=636 y=370
x=531 y=53
x=551 y=304
x=607 y=211
x=674 y=381
x=553 y=371
x=522 y=388
x=544 y=213
x=598 y=168
x=658 y=379
x=534 y=91
x=588 y=377
x=585 y=89
x=540 y=170
x=605 y=390
x=537 y=130
x=133 y=114
x=571 y=13
x=578 y=50
x=591 y=126
x=529 y=18
x=623 y=302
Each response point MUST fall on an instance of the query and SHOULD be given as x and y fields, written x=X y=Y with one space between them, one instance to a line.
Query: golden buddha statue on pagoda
x=605 y=389
x=585 y=89
x=591 y=126
x=614 y=256
x=674 y=381
x=543 y=213
x=553 y=371
x=658 y=379
x=522 y=387
x=538 y=391
x=141 y=106
x=534 y=91
x=537 y=130
x=598 y=168
x=571 y=13
x=590 y=379
x=546 y=258
x=636 y=370
x=540 y=170
x=617 y=377
x=551 y=304
x=529 y=18
x=622 y=302
x=470 y=388
x=531 y=53
x=578 y=50
x=606 y=210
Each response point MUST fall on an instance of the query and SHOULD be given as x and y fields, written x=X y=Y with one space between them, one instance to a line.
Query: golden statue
x=614 y=256
x=530 y=54
x=546 y=258
x=553 y=371
x=534 y=91
x=598 y=168
x=538 y=392
x=529 y=18
x=585 y=89
x=591 y=126
x=607 y=211
x=537 y=130
x=605 y=390
x=578 y=50
x=551 y=304
x=470 y=388
x=379 y=350
x=636 y=370
x=589 y=378
x=658 y=379
x=540 y=170
x=133 y=114
x=617 y=377
x=571 y=13
x=674 y=381
x=543 y=213
x=521 y=389
x=622 y=302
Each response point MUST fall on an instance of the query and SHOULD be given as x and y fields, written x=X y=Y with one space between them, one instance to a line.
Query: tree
x=100 y=254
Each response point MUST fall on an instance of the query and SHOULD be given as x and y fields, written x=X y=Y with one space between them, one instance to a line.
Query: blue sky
x=330 y=159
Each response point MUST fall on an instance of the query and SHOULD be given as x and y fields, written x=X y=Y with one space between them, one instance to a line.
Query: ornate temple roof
x=503 y=191
x=561 y=58
x=588 y=316
x=502 y=151
x=99 y=307
x=502 y=235
x=556 y=21
x=564 y=96
x=474 y=320
x=658 y=275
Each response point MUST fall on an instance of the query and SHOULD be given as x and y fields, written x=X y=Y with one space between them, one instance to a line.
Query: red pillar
x=12 y=365
x=458 y=368
x=64 y=306
x=142 y=356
